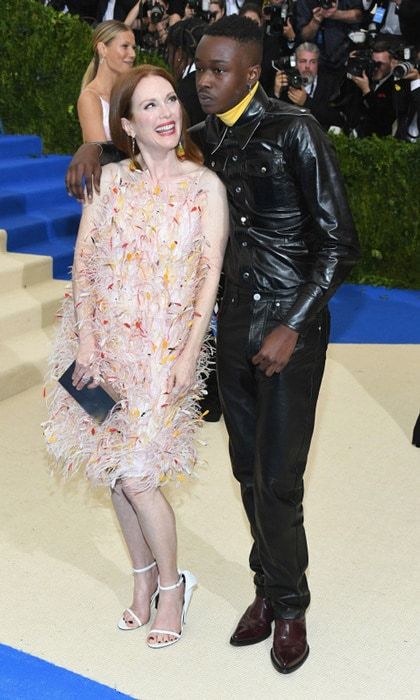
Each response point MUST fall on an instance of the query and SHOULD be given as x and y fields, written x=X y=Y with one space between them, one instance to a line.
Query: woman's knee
x=136 y=489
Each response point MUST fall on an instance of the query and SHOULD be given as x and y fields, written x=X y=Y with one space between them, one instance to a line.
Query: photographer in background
x=385 y=16
x=182 y=41
x=139 y=19
x=373 y=99
x=217 y=10
x=408 y=126
x=307 y=86
x=205 y=10
x=252 y=11
x=327 y=24
x=279 y=37
x=150 y=20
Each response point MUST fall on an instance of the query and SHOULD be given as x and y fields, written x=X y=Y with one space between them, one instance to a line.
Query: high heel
x=122 y=624
x=190 y=582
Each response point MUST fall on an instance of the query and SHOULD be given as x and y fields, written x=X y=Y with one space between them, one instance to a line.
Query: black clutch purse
x=97 y=402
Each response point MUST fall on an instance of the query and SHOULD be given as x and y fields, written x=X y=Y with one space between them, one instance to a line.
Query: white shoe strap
x=134 y=616
x=171 y=632
x=175 y=585
x=145 y=568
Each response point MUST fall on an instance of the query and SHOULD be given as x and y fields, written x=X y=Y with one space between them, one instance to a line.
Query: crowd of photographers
x=354 y=63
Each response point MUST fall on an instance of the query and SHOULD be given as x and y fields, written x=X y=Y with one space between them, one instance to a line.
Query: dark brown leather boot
x=290 y=648
x=255 y=624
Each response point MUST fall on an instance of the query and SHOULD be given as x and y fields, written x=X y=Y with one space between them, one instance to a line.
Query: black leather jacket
x=291 y=227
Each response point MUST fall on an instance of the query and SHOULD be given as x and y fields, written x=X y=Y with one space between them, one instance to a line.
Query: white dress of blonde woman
x=113 y=58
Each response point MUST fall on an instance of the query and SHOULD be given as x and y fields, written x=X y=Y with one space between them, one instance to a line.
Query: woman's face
x=156 y=121
x=120 y=52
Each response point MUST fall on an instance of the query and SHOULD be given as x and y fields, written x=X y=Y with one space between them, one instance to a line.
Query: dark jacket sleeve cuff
x=111 y=154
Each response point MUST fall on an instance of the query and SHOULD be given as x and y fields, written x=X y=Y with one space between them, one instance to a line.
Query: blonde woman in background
x=114 y=54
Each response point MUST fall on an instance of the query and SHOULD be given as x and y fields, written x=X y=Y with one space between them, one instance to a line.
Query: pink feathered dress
x=142 y=273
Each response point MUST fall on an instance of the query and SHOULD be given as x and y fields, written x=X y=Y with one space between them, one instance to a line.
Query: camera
x=157 y=11
x=287 y=64
x=327 y=4
x=407 y=61
x=276 y=17
x=201 y=9
x=361 y=62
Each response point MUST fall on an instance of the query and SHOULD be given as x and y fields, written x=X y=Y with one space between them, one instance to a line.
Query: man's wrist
x=97 y=143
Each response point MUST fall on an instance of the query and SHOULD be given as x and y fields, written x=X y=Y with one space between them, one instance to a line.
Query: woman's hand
x=83 y=371
x=182 y=375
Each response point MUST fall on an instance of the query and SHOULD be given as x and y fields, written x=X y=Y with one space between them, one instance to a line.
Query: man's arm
x=308 y=20
x=353 y=16
x=85 y=168
x=311 y=155
x=309 y=29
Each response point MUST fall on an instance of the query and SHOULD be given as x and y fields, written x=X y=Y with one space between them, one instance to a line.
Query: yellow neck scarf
x=232 y=115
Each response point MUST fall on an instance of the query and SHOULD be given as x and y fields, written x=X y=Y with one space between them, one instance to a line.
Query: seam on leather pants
x=257 y=326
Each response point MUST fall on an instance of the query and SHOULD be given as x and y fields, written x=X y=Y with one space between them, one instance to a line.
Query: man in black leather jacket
x=292 y=243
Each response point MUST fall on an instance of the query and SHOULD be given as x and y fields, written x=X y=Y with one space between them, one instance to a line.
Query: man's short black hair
x=381 y=45
x=186 y=34
x=242 y=29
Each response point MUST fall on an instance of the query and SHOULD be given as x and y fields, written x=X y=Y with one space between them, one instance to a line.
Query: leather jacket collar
x=244 y=128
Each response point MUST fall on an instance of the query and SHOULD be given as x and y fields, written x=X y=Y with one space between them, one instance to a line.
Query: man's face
x=307 y=64
x=223 y=73
x=216 y=12
x=385 y=64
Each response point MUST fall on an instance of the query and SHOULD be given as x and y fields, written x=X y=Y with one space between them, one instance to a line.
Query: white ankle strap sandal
x=136 y=622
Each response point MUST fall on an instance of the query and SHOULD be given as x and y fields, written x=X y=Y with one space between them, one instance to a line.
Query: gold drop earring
x=180 y=151
x=133 y=163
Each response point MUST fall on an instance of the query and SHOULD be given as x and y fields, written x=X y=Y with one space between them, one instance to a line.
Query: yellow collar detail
x=232 y=115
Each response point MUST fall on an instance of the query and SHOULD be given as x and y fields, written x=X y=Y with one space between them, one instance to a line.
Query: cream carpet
x=66 y=576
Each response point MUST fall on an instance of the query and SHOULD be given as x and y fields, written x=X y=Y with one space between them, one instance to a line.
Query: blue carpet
x=363 y=314
x=25 y=677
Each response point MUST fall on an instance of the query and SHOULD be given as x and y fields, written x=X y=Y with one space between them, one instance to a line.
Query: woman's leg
x=141 y=556
x=157 y=522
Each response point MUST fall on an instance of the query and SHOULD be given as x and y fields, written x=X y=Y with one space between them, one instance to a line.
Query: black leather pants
x=270 y=423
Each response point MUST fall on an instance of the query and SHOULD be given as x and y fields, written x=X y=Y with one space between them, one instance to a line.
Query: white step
x=24 y=360
x=20 y=270
x=3 y=240
x=29 y=301
x=24 y=310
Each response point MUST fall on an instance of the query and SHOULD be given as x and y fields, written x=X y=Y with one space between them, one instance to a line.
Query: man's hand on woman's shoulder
x=84 y=171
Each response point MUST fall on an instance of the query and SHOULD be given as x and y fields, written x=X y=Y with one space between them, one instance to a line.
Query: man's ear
x=254 y=73
x=127 y=126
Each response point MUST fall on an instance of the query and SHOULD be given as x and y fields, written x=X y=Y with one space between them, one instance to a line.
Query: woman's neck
x=161 y=164
x=103 y=82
